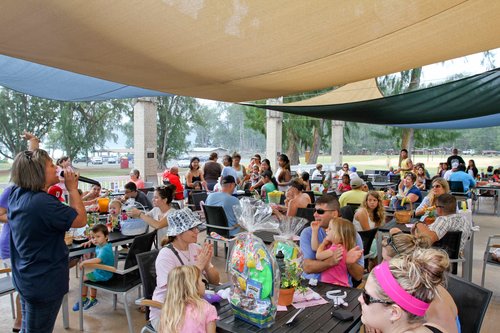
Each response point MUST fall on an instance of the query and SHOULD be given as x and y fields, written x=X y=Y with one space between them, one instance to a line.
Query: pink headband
x=392 y=288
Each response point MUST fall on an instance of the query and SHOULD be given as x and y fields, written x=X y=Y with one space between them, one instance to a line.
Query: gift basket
x=289 y=227
x=253 y=269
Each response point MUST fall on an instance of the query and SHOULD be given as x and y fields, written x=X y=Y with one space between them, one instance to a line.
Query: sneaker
x=91 y=304
x=76 y=307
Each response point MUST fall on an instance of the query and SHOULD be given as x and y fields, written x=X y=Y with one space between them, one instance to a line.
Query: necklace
x=183 y=253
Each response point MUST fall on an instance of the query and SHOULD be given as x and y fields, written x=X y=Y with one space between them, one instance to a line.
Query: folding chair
x=124 y=280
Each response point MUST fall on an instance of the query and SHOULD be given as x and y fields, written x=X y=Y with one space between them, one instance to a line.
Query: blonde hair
x=419 y=274
x=379 y=212
x=182 y=290
x=344 y=229
x=444 y=184
x=28 y=169
x=118 y=202
x=405 y=244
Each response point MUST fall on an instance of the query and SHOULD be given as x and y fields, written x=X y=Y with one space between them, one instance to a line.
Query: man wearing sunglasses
x=327 y=208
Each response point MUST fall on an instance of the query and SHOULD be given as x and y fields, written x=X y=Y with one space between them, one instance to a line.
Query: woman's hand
x=70 y=179
x=204 y=259
x=315 y=226
x=134 y=213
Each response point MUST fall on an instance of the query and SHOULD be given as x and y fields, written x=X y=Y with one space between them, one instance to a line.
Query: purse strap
x=172 y=248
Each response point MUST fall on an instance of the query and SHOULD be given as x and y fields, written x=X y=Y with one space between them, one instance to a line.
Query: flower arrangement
x=291 y=277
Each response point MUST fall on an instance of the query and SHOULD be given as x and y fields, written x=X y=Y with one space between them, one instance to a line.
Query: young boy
x=104 y=256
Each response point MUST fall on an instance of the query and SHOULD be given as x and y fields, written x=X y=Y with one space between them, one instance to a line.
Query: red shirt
x=176 y=181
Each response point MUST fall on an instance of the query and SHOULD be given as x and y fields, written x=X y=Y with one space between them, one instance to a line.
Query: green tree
x=19 y=112
x=84 y=126
x=175 y=116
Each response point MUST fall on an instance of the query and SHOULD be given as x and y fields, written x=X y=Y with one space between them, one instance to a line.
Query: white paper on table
x=307 y=299
x=282 y=308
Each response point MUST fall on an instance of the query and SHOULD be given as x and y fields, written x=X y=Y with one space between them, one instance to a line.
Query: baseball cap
x=357 y=182
x=353 y=169
x=57 y=192
x=454 y=165
x=228 y=180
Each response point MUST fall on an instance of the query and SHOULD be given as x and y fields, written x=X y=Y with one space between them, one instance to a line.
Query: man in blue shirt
x=327 y=208
x=461 y=176
x=226 y=200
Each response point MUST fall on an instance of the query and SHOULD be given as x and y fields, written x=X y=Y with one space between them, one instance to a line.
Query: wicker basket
x=404 y=216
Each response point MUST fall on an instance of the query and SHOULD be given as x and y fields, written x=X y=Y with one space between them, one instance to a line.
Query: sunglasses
x=390 y=242
x=195 y=228
x=369 y=300
x=322 y=211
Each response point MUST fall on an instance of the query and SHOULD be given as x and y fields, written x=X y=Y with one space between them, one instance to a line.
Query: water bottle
x=280 y=259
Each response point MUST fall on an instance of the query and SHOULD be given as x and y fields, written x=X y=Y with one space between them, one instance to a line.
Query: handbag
x=404 y=216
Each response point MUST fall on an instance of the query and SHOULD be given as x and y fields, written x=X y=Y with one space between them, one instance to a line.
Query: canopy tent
x=243 y=51
x=466 y=103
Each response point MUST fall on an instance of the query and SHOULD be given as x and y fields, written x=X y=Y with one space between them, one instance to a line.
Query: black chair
x=394 y=178
x=457 y=187
x=354 y=206
x=175 y=205
x=197 y=198
x=370 y=186
x=307 y=213
x=311 y=195
x=147 y=270
x=428 y=184
x=367 y=236
x=488 y=258
x=216 y=220
x=124 y=280
x=451 y=244
x=472 y=302
x=347 y=213
x=364 y=177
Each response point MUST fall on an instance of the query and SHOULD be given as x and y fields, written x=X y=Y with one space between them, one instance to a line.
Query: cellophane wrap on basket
x=289 y=227
x=254 y=273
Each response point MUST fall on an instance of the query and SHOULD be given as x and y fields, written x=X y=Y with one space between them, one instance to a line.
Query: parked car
x=97 y=160
x=111 y=160
x=82 y=159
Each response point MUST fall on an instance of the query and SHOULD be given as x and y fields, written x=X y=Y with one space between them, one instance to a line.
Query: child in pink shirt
x=345 y=185
x=185 y=311
x=340 y=234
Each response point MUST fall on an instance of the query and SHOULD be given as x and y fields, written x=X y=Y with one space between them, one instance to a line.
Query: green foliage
x=19 y=112
x=175 y=113
x=85 y=126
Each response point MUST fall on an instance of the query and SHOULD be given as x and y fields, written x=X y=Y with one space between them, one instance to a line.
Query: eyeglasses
x=195 y=228
x=436 y=186
x=369 y=300
x=322 y=211
x=390 y=242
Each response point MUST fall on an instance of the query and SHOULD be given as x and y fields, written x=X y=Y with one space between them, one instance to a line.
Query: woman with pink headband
x=398 y=293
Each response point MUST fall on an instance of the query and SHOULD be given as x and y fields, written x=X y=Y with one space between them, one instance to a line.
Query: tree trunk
x=407 y=139
x=313 y=156
x=293 y=151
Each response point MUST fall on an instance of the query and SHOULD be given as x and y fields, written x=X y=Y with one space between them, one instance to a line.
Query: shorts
x=94 y=278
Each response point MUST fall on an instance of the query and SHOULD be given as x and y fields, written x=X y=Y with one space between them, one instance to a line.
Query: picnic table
x=313 y=319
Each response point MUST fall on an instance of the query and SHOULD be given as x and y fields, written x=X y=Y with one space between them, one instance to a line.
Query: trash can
x=124 y=163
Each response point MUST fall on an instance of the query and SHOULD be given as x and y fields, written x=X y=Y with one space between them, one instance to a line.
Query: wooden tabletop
x=312 y=319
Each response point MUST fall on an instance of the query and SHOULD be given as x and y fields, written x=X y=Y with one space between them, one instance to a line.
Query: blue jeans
x=39 y=317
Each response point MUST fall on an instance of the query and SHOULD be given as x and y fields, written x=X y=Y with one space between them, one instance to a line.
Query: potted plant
x=291 y=278
x=431 y=217
x=386 y=200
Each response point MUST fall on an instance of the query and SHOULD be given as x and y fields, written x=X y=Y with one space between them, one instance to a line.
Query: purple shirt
x=5 y=235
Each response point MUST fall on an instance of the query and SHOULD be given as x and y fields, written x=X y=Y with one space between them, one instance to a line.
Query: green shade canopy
x=460 y=102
